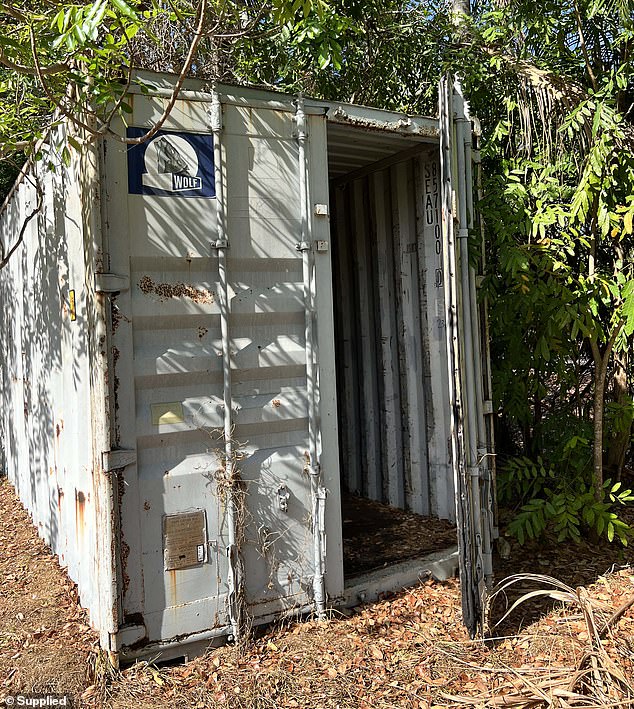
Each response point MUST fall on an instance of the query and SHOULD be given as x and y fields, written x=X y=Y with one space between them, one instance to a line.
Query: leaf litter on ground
x=571 y=645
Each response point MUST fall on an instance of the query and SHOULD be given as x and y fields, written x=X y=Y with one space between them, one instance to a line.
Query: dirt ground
x=408 y=650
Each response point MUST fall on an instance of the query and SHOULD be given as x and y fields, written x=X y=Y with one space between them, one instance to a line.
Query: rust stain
x=116 y=316
x=165 y=291
x=60 y=497
x=124 y=551
x=276 y=403
x=80 y=509
x=116 y=354
x=124 y=547
x=173 y=590
x=59 y=427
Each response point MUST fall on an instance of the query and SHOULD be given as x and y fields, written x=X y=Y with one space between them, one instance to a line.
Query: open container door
x=470 y=440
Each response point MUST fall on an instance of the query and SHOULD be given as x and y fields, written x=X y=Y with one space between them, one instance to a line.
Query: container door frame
x=474 y=509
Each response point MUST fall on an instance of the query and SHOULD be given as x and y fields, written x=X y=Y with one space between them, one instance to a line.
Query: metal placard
x=184 y=540
x=171 y=164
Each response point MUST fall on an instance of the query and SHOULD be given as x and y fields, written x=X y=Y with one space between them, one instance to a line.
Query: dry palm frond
x=595 y=681
x=544 y=101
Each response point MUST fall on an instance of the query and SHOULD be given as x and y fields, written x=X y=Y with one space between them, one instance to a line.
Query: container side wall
x=47 y=425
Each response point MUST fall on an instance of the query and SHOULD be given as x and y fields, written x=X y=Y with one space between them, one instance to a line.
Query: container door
x=181 y=546
x=469 y=447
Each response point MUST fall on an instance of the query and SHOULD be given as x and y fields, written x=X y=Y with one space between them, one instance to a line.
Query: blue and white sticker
x=171 y=165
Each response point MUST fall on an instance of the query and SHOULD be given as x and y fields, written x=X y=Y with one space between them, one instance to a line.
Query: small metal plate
x=184 y=540
x=171 y=412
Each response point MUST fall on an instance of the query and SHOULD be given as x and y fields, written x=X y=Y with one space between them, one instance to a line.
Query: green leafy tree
x=552 y=86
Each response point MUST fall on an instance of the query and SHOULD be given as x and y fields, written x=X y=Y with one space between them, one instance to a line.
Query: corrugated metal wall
x=391 y=349
x=163 y=410
x=168 y=357
x=45 y=424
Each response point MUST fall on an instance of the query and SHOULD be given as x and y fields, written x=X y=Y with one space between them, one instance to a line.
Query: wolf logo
x=171 y=165
x=169 y=158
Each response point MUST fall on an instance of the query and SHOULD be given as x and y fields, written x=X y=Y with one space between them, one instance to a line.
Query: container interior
x=390 y=346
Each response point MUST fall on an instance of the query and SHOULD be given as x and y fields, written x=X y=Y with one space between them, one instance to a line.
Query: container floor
x=377 y=535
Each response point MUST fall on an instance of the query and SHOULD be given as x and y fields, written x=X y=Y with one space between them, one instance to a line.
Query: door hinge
x=117 y=459
x=111 y=283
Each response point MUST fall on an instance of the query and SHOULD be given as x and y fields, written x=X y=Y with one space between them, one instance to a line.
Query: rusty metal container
x=206 y=336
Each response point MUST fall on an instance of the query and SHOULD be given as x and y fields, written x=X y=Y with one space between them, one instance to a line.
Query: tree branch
x=584 y=49
x=198 y=35
x=104 y=128
x=25 y=223
x=31 y=71
x=14 y=12
x=74 y=118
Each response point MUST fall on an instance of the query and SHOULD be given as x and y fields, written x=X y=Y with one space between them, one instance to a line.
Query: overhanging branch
x=6 y=257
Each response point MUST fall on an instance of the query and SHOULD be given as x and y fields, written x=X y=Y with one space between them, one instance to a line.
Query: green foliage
x=553 y=87
x=620 y=415
x=558 y=209
x=550 y=499
x=9 y=170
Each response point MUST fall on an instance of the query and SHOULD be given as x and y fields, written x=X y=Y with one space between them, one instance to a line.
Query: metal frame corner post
x=99 y=329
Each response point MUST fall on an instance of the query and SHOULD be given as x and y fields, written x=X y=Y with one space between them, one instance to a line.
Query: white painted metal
x=431 y=275
x=331 y=541
x=454 y=364
x=473 y=500
x=50 y=359
x=392 y=304
x=318 y=495
x=478 y=329
x=183 y=350
x=417 y=484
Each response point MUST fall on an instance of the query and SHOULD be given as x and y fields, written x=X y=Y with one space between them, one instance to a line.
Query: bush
x=561 y=498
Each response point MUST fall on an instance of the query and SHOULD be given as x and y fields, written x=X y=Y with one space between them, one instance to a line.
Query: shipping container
x=232 y=350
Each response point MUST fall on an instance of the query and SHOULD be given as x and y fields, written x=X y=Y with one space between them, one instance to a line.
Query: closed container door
x=167 y=362
x=266 y=326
